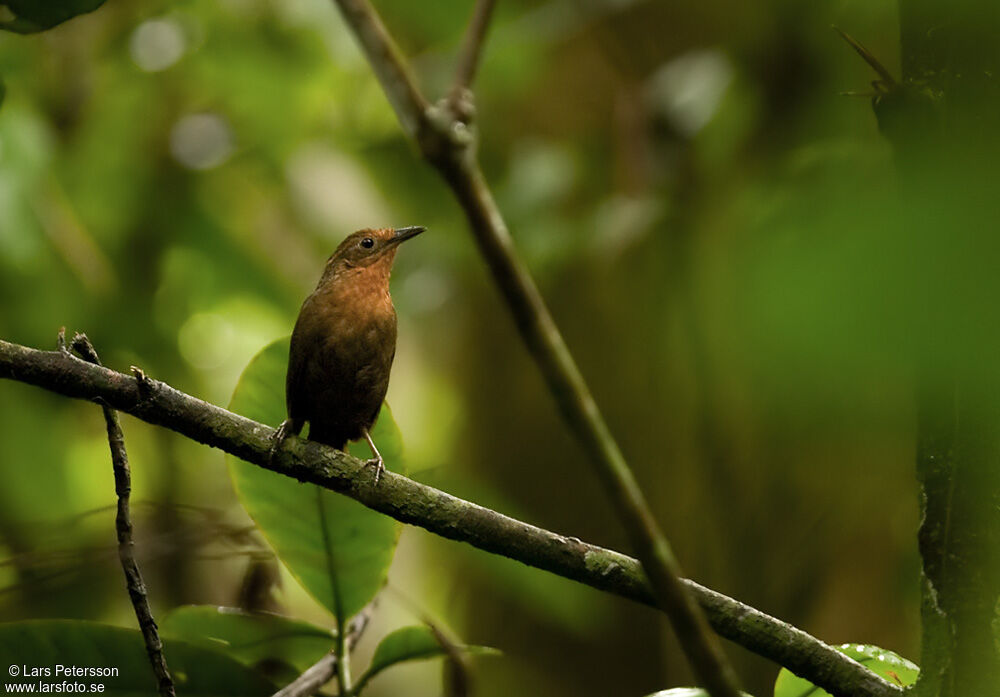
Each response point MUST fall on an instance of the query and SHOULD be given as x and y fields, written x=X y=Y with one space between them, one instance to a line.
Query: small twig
x=359 y=623
x=868 y=58
x=468 y=60
x=123 y=527
x=314 y=677
x=448 y=145
x=81 y=344
x=325 y=669
x=438 y=512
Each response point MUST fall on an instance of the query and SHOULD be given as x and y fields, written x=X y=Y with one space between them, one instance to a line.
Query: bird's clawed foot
x=379 y=466
x=376 y=461
x=278 y=439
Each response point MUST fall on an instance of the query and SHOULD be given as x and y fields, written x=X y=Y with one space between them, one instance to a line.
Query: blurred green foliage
x=413 y=644
x=260 y=640
x=706 y=216
x=41 y=645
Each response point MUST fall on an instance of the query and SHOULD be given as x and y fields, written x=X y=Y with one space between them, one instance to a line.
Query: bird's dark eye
x=368 y=243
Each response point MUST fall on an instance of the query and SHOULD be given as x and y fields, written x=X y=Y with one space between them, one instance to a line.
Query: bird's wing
x=296 y=379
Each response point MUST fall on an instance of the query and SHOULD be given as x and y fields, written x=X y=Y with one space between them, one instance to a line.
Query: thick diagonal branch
x=436 y=511
x=123 y=529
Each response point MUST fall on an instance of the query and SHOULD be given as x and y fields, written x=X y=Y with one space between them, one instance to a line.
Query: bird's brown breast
x=341 y=356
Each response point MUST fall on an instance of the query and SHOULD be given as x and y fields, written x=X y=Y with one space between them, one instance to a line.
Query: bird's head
x=372 y=249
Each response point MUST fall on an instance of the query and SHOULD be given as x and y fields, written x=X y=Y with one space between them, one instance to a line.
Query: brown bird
x=343 y=345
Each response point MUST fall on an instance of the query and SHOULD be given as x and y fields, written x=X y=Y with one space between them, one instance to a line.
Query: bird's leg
x=376 y=461
x=287 y=428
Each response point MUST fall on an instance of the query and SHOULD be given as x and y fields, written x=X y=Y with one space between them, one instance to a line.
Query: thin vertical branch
x=449 y=144
x=123 y=528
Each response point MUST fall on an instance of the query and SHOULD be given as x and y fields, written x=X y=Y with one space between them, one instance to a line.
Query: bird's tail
x=323 y=433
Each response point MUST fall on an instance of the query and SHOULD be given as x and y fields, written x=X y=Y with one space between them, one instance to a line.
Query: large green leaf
x=50 y=643
x=338 y=550
x=29 y=16
x=250 y=638
x=889 y=665
x=410 y=644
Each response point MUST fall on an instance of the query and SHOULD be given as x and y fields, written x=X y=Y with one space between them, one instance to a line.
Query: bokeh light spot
x=205 y=340
x=157 y=44
x=201 y=141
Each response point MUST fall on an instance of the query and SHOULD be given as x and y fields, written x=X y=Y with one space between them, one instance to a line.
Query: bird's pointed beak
x=401 y=234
